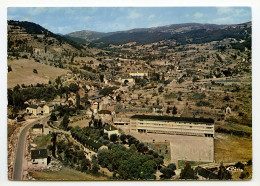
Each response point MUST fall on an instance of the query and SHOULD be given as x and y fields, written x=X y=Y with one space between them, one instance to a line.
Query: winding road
x=19 y=156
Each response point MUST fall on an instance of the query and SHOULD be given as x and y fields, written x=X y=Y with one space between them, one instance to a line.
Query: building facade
x=172 y=125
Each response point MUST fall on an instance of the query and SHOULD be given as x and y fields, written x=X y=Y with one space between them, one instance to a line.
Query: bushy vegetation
x=83 y=137
x=129 y=164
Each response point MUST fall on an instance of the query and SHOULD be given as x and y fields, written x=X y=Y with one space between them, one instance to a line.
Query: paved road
x=18 y=165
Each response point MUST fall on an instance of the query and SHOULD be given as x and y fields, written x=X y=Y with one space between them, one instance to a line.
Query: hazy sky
x=105 y=19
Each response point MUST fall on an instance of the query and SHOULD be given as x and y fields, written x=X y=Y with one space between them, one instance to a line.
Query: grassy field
x=80 y=123
x=10 y=129
x=181 y=163
x=65 y=174
x=232 y=148
x=22 y=72
x=43 y=141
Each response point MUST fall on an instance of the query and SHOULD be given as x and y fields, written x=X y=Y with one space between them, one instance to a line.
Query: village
x=146 y=100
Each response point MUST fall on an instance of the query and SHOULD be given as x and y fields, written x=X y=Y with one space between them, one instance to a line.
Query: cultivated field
x=22 y=72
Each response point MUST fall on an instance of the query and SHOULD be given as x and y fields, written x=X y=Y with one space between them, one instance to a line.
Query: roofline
x=176 y=119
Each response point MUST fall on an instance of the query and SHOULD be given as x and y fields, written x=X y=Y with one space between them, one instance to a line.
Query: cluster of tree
x=203 y=103
x=70 y=155
x=18 y=95
x=129 y=164
x=224 y=174
x=107 y=90
x=142 y=37
x=141 y=81
x=204 y=36
x=83 y=137
x=174 y=110
x=65 y=122
x=242 y=46
x=233 y=132
x=188 y=173
x=88 y=68
x=32 y=28
x=168 y=172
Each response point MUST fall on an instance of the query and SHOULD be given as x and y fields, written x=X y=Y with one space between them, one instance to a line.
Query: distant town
x=166 y=103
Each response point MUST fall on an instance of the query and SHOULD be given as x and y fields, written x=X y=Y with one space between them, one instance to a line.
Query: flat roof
x=170 y=118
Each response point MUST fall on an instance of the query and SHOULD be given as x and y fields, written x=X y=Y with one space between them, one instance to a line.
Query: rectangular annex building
x=172 y=125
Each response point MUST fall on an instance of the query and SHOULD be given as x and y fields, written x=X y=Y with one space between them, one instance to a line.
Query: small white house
x=34 y=109
x=109 y=129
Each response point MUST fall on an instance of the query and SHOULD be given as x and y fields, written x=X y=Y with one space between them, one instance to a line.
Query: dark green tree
x=73 y=87
x=167 y=173
x=113 y=138
x=54 y=140
x=174 y=110
x=65 y=122
x=188 y=173
x=224 y=174
x=9 y=68
x=77 y=101
x=53 y=117
x=123 y=138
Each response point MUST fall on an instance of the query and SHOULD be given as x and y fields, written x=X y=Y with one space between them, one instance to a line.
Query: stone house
x=34 y=109
x=39 y=157
x=37 y=129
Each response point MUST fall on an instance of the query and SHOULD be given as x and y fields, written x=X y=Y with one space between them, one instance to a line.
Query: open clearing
x=232 y=148
x=22 y=72
x=65 y=174
x=80 y=123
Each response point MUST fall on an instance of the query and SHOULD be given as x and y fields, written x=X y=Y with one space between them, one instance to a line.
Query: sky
x=65 y=20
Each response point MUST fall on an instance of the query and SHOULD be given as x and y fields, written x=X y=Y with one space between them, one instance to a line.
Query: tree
x=77 y=101
x=58 y=80
x=95 y=167
x=9 y=68
x=148 y=169
x=123 y=138
x=160 y=89
x=174 y=110
x=131 y=141
x=53 y=117
x=172 y=166
x=64 y=123
x=140 y=147
x=240 y=165
x=113 y=138
x=158 y=161
x=84 y=165
x=226 y=98
x=35 y=71
x=168 y=110
x=224 y=174
x=101 y=77
x=73 y=87
x=167 y=173
x=188 y=173
x=54 y=139
x=195 y=79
